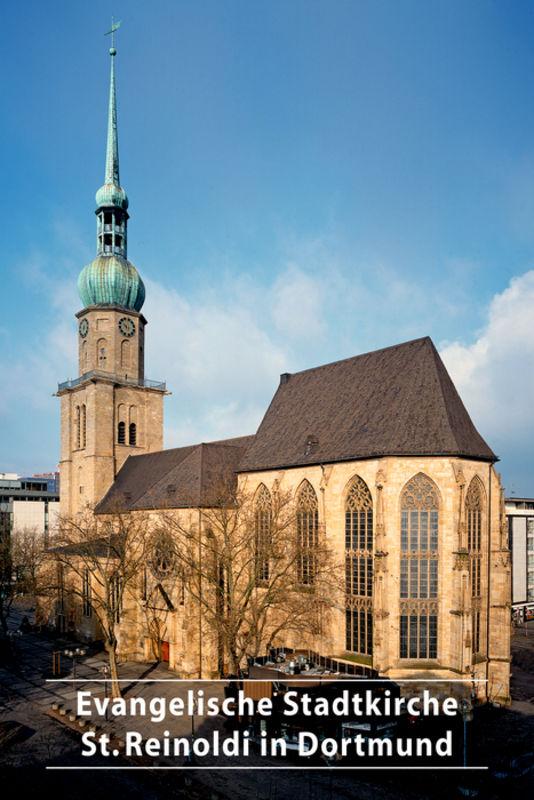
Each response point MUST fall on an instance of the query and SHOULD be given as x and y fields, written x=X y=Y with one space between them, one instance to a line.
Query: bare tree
x=21 y=555
x=253 y=575
x=28 y=548
x=100 y=561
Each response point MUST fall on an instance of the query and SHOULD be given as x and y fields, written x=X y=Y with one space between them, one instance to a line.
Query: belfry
x=110 y=411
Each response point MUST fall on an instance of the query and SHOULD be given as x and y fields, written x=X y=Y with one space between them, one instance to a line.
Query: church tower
x=111 y=410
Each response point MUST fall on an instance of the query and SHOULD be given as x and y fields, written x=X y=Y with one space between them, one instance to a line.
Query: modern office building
x=520 y=513
x=30 y=503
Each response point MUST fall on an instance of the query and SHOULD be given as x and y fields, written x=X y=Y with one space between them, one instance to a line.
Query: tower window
x=101 y=352
x=83 y=426
x=132 y=433
x=78 y=427
x=121 y=433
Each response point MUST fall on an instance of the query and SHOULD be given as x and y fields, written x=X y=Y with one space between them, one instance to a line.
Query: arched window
x=121 y=432
x=83 y=425
x=359 y=568
x=132 y=434
x=78 y=415
x=307 y=533
x=101 y=353
x=262 y=534
x=84 y=356
x=125 y=353
x=419 y=569
x=473 y=513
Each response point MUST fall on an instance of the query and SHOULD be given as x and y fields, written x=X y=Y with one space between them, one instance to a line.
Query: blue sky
x=307 y=180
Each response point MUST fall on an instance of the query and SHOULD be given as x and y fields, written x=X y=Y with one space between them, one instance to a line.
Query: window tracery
x=359 y=568
x=419 y=568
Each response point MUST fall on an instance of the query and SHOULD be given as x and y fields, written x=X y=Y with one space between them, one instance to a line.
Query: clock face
x=126 y=326
x=84 y=328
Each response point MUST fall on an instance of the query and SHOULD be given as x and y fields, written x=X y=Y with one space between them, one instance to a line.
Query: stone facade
x=192 y=645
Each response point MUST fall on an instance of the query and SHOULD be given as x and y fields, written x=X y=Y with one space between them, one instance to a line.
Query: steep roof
x=184 y=477
x=396 y=401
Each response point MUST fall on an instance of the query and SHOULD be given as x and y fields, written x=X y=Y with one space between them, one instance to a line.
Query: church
x=382 y=459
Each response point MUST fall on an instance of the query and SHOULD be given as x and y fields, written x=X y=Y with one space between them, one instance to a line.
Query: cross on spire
x=114 y=27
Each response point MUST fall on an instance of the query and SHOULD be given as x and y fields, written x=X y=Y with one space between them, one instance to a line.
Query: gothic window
x=86 y=594
x=359 y=568
x=121 y=432
x=262 y=534
x=132 y=434
x=473 y=514
x=419 y=569
x=78 y=414
x=307 y=534
x=83 y=425
x=84 y=356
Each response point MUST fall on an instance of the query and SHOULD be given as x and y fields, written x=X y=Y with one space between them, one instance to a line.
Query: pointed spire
x=112 y=149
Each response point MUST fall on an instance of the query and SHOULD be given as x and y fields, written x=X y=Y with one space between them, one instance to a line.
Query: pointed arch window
x=262 y=534
x=419 y=569
x=78 y=414
x=307 y=534
x=473 y=513
x=359 y=568
x=83 y=425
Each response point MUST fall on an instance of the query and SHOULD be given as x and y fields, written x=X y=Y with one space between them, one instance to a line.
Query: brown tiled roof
x=396 y=401
x=184 y=477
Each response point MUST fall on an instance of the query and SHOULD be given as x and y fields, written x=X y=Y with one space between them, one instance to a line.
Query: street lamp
x=74 y=653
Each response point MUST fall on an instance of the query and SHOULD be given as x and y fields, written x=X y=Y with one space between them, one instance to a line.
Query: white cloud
x=298 y=301
x=495 y=373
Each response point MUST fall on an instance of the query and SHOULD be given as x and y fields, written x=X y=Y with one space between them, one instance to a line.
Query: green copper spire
x=111 y=279
x=111 y=194
x=112 y=150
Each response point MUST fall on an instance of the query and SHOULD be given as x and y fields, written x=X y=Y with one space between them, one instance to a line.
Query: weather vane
x=114 y=27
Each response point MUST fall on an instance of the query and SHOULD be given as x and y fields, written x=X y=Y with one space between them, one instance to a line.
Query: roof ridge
x=361 y=355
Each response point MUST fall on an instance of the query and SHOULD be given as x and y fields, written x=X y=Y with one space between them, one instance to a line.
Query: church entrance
x=165 y=652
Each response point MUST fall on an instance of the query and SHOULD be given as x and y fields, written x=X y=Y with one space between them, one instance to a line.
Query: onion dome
x=111 y=195
x=111 y=280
